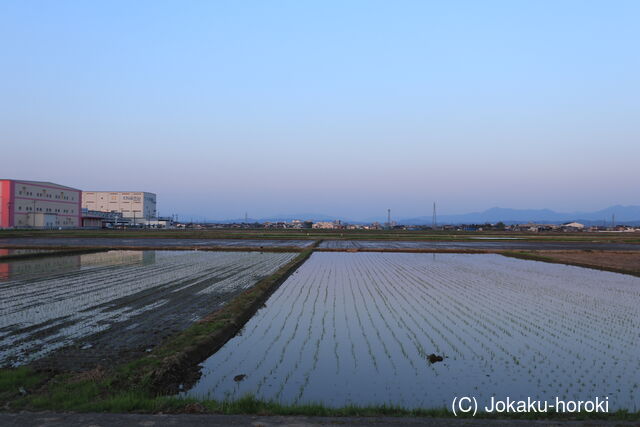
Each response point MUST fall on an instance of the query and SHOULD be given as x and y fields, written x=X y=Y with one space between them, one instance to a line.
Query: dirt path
x=52 y=419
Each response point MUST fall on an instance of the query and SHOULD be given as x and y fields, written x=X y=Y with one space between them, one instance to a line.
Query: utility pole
x=433 y=219
x=389 y=218
x=613 y=220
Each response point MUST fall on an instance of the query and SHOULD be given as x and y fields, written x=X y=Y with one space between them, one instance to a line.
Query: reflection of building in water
x=6 y=252
x=46 y=266
x=38 y=266
x=117 y=258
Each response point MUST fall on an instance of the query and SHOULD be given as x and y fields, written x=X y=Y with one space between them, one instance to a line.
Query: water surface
x=357 y=328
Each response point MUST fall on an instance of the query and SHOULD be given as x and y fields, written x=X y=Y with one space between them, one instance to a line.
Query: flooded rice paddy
x=93 y=308
x=477 y=244
x=359 y=328
x=162 y=243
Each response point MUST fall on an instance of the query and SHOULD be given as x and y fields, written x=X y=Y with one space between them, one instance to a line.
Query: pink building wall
x=8 y=201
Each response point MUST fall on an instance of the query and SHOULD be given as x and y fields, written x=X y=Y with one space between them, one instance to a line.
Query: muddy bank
x=179 y=370
x=626 y=262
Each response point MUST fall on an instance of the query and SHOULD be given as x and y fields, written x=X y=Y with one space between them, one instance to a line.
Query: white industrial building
x=137 y=205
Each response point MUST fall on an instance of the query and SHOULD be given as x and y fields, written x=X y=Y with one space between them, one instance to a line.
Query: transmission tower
x=389 y=218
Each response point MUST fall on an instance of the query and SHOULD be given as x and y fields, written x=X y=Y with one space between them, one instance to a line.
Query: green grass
x=86 y=397
x=13 y=380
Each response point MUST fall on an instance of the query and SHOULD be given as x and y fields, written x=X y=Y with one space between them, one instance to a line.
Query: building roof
x=40 y=183
x=105 y=191
x=573 y=224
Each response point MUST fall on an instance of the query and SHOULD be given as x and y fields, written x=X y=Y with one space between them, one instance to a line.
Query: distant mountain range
x=629 y=215
x=623 y=215
x=288 y=218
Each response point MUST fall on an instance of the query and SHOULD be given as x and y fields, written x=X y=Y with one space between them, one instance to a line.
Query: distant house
x=91 y=221
x=324 y=225
x=573 y=226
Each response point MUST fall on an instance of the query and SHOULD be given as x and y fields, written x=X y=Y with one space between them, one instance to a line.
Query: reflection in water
x=117 y=258
x=35 y=267
x=7 y=252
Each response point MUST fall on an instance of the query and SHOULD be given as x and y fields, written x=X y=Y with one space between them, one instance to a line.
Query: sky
x=343 y=108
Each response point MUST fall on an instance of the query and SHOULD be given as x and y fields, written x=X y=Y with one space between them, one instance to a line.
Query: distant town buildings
x=327 y=224
x=36 y=204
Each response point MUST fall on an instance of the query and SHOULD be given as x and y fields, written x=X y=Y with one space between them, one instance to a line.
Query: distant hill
x=629 y=215
x=282 y=218
x=623 y=214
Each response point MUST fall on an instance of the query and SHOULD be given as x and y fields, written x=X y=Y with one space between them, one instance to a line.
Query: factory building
x=138 y=205
x=35 y=204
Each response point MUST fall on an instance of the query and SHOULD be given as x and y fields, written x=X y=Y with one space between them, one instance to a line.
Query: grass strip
x=82 y=398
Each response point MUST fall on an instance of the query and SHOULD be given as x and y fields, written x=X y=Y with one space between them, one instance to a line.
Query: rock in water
x=434 y=358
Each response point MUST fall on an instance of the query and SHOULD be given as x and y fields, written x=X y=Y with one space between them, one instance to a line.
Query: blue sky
x=344 y=108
